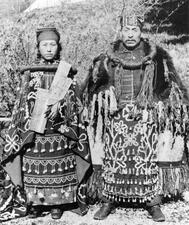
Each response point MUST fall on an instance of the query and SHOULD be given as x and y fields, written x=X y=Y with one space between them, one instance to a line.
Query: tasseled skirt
x=49 y=171
x=130 y=171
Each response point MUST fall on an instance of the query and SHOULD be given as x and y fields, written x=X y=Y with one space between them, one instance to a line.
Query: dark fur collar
x=100 y=77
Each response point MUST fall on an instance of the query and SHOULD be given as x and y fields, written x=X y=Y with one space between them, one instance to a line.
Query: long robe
x=125 y=95
x=54 y=164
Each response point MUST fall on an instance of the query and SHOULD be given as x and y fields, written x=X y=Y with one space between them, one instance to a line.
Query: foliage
x=86 y=31
x=170 y=15
x=79 y=26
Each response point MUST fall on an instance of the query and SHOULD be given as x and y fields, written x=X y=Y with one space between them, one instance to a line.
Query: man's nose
x=130 y=34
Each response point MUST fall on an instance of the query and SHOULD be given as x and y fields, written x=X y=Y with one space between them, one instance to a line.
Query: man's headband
x=131 y=21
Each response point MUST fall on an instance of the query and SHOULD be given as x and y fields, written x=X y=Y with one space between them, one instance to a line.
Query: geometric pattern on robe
x=67 y=122
x=130 y=171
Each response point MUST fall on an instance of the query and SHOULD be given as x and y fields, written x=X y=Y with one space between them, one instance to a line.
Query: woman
x=46 y=132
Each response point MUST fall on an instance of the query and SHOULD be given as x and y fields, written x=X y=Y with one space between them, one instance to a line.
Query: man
x=130 y=93
x=46 y=135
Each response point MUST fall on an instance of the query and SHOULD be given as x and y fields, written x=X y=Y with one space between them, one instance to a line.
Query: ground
x=176 y=213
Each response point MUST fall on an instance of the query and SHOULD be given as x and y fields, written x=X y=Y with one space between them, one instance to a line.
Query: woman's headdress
x=47 y=33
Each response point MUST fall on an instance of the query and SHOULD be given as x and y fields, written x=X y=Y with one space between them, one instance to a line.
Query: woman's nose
x=49 y=48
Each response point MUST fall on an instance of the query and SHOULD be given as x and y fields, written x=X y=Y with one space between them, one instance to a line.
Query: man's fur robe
x=162 y=88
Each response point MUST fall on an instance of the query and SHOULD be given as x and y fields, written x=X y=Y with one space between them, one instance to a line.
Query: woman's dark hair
x=57 y=57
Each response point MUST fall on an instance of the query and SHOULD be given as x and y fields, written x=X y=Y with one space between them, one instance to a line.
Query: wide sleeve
x=165 y=75
x=68 y=121
x=18 y=133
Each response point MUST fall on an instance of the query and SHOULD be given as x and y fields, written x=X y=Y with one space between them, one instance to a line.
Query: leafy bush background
x=86 y=30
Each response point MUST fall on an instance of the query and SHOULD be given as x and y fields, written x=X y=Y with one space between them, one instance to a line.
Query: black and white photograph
x=94 y=112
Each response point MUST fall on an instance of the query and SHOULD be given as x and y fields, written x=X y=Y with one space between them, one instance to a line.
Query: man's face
x=48 y=49
x=131 y=36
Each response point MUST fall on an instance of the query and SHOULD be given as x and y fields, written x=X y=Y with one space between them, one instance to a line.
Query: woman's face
x=48 y=49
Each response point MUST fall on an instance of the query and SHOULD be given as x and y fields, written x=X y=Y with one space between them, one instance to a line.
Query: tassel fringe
x=103 y=105
x=95 y=185
x=172 y=180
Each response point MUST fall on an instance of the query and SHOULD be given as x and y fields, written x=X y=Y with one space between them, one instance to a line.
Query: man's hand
x=72 y=72
x=147 y=60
